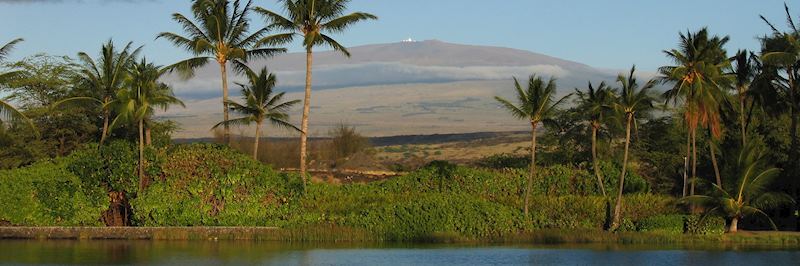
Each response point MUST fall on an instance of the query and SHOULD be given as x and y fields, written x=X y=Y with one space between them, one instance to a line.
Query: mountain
x=402 y=88
x=424 y=53
x=399 y=63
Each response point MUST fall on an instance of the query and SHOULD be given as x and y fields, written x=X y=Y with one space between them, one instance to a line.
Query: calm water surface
x=198 y=253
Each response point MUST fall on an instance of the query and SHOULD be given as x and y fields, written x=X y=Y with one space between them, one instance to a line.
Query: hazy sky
x=605 y=34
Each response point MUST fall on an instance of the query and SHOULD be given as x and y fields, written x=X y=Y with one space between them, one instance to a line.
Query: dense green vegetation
x=203 y=184
x=616 y=160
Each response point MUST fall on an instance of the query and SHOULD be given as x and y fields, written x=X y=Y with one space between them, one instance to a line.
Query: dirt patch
x=348 y=176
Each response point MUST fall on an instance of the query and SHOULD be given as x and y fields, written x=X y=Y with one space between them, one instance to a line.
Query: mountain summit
x=429 y=61
x=397 y=88
x=423 y=53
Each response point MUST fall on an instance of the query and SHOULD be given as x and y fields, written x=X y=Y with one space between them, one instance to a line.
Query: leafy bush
x=634 y=183
x=420 y=218
x=46 y=194
x=113 y=166
x=590 y=212
x=708 y=225
x=204 y=184
x=502 y=161
x=672 y=224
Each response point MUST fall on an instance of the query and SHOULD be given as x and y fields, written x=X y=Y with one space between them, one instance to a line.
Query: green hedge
x=212 y=185
x=679 y=224
x=203 y=184
x=700 y=225
x=672 y=224
x=47 y=194
x=431 y=214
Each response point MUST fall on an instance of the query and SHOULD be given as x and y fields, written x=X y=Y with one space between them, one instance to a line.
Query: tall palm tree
x=104 y=78
x=7 y=111
x=595 y=105
x=260 y=105
x=136 y=103
x=4 y=51
x=313 y=20
x=744 y=72
x=699 y=80
x=633 y=101
x=781 y=51
x=749 y=196
x=535 y=105
x=219 y=32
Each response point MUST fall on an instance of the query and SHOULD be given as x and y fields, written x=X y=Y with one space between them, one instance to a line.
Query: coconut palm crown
x=220 y=33
x=7 y=111
x=314 y=20
x=534 y=104
x=260 y=105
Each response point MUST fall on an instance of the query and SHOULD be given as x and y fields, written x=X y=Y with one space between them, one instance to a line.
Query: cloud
x=327 y=77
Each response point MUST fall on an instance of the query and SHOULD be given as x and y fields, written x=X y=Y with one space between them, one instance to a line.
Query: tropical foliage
x=535 y=105
x=750 y=196
x=261 y=105
x=6 y=110
x=313 y=20
x=69 y=142
x=220 y=32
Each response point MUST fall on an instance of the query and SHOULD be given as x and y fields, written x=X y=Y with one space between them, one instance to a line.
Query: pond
x=198 y=253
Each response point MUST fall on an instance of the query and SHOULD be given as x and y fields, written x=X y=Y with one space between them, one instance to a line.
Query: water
x=199 y=253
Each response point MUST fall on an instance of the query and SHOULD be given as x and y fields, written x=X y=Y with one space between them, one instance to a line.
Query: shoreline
x=743 y=239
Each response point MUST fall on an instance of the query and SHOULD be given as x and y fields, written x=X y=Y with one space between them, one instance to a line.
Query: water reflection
x=200 y=253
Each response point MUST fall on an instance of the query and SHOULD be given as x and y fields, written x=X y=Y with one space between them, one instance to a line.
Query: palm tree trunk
x=304 y=121
x=686 y=162
x=734 y=226
x=741 y=116
x=106 y=117
x=694 y=161
x=618 y=206
x=595 y=163
x=148 y=139
x=255 y=142
x=532 y=168
x=226 y=135
x=793 y=134
x=714 y=161
x=141 y=155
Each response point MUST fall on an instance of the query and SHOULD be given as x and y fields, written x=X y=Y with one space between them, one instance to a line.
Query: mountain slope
x=401 y=88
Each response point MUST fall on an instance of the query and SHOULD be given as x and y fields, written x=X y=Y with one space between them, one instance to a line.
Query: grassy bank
x=342 y=234
x=204 y=191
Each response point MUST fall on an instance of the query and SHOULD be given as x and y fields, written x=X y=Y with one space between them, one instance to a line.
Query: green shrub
x=502 y=161
x=672 y=223
x=113 y=166
x=204 y=184
x=708 y=225
x=423 y=217
x=634 y=183
x=590 y=212
x=47 y=194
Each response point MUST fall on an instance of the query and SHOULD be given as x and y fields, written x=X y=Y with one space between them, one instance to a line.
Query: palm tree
x=313 y=20
x=535 y=105
x=219 y=33
x=260 y=105
x=595 y=105
x=749 y=196
x=632 y=102
x=744 y=72
x=136 y=103
x=699 y=80
x=7 y=111
x=104 y=78
x=781 y=51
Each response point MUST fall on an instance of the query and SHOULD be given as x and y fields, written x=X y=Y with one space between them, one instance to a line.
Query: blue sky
x=605 y=34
